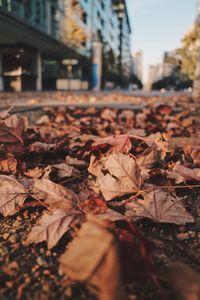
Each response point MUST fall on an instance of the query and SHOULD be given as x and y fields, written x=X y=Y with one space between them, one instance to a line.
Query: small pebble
x=12 y=239
x=182 y=236
x=5 y=236
x=40 y=261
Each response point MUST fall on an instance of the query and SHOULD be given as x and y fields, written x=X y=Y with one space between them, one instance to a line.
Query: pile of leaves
x=95 y=174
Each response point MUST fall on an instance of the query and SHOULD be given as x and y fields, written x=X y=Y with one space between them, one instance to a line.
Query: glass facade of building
x=59 y=29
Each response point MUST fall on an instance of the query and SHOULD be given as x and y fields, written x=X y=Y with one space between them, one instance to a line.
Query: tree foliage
x=74 y=31
x=188 y=53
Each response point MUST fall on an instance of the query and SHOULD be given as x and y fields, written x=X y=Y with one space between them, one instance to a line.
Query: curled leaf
x=92 y=257
x=12 y=130
x=123 y=176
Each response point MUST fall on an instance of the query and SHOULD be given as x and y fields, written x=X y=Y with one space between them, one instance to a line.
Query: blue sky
x=158 y=26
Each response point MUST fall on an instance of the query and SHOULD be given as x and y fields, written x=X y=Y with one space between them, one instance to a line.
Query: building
x=125 y=59
x=168 y=63
x=42 y=41
x=155 y=73
x=198 y=10
x=138 y=64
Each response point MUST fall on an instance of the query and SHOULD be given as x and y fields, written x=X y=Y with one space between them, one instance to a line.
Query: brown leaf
x=95 y=166
x=50 y=192
x=160 y=206
x=111 y=215
x=5 y=113
x=64 y=170
x=121 y=143
x=182 y=174
x=12 y=130
x=92 y=257
x=12 y=195
x=149 y=157
x=129 y=116
x=42 y=147
x=124 y=176
x=193 y=152
x=74 y=161
x=108 y=114
x=8 y=165
x=35 y=173
x=50 y=228
x=185 y=281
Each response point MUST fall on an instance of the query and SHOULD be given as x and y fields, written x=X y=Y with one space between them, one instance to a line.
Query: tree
x=74 y=33
x=188 y=53
x=135 y=80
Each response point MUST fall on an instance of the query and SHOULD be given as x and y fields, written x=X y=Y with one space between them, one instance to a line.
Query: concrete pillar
x=38 y=68
x=1 y=74
x=96 y=72
x=48 y=17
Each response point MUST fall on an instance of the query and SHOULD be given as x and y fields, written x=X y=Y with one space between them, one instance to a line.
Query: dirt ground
x=32 y=271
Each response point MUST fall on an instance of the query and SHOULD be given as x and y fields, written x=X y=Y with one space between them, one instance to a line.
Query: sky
x=158 y=26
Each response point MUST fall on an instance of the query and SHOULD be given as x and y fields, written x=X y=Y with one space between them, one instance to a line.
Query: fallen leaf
x=184 y=281
x=121 y=143
x=35 y=173
x=95 y=166
x=92 y=257
x=124 y=176
x=50 y=192
x=75 y=162
x=12 y=130
x=50 y=228
x=182 y=174
x=64 y=170
x=41 y=147
x=111 y=215
x=5 y=113
x=149 y=157
x=129 y=116
x=12 y=195
x=193 y=152
x=8 y=165
x=109 y=114
x=160 y=206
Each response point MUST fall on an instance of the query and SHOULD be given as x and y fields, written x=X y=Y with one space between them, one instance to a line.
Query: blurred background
x=77 y=45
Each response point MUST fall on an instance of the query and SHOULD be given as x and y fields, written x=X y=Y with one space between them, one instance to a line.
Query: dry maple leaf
x=42 y=147
x=64 y=170
x=129 y=117
x=160 y=206
x=75 y=162
x=95 y=166
x=123 y=176
x=92 y=257
x=8 y=165
x=51 y=228
x=5 y=113
x=51 y=193
x=12 y=130
x=149 y=157
x=108 y=114
x=182 y=174
x=120 y=143
x=193 y=152
x=35 y=173
x=12 y=195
